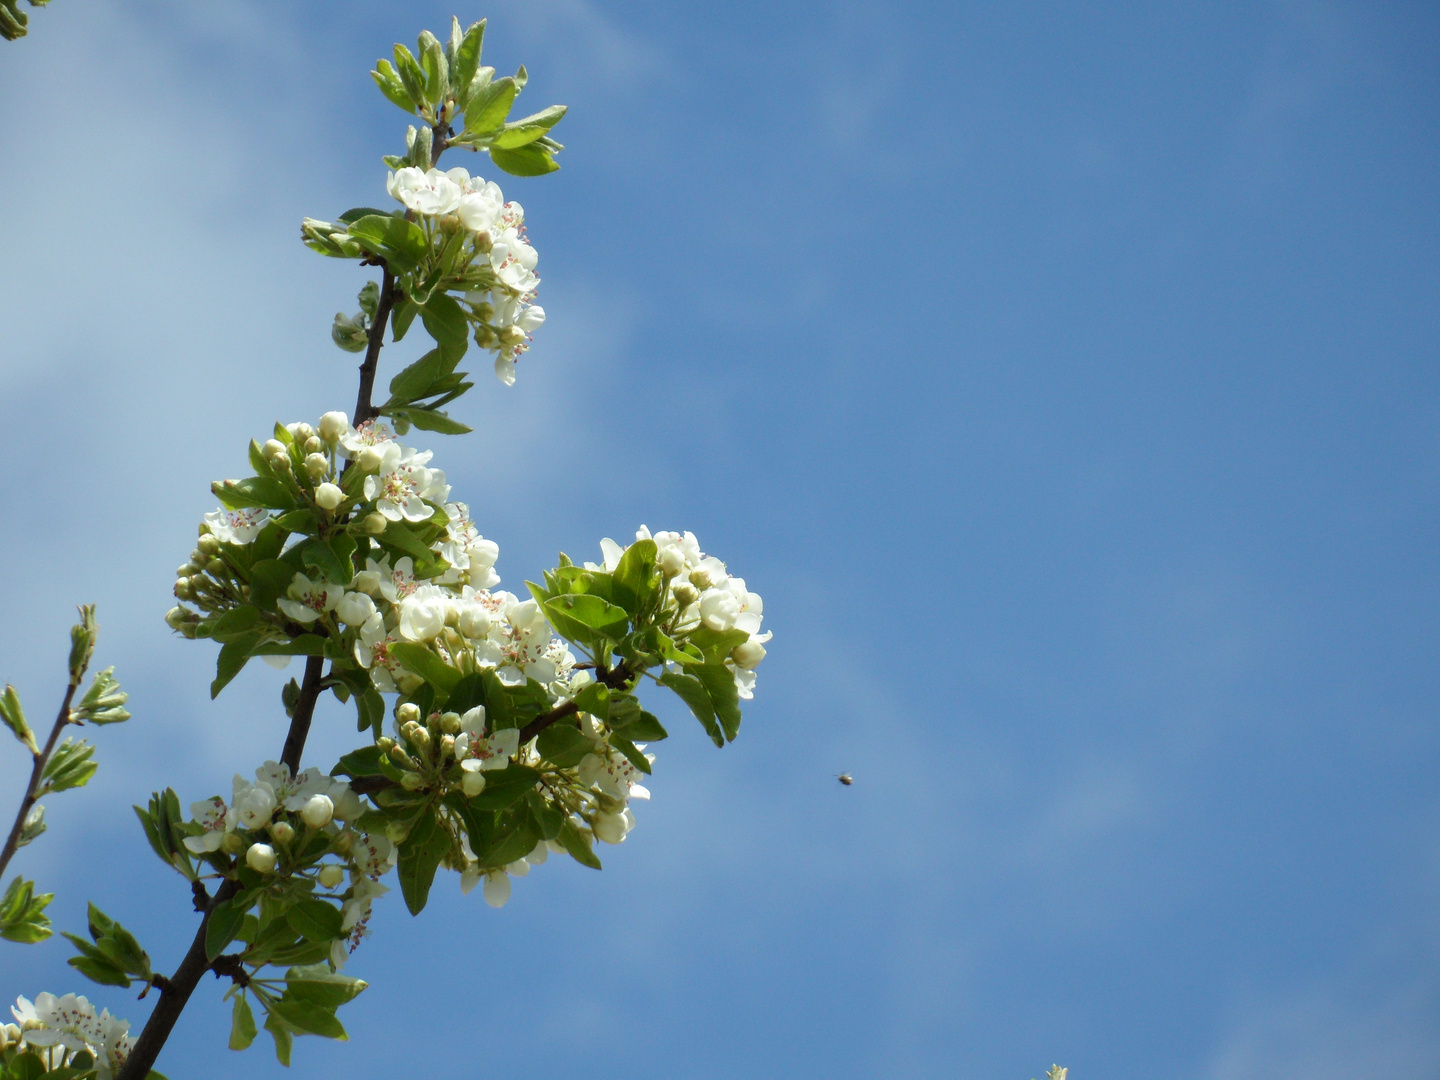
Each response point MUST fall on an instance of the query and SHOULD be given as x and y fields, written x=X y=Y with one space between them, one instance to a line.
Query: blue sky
x=1064 y=376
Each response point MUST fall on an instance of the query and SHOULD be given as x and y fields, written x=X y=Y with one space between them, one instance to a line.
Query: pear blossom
x=252 y=805
x=370 y=433
x=425 y=192
x=261 y=858
x=468 y=553
x=422 y=613
x=210 y=813
x=393 y=584
x=372 y=652
x=613 y=773
x=112 y=1049
x=403 y=484
x=356 y=909
x=307 y=600
x=477 y=751
x=68 y=1021
x=354 y=608
x=497 y=888
x=372 y=855
x=237 y=526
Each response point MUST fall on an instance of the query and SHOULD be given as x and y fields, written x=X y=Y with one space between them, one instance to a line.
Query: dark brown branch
x=37 y=778
x=304 y=711
x=364 y=409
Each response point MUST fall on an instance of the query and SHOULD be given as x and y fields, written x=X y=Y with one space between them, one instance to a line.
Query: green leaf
x=99 y=970
x=519 y=133
x=578 y=844
x=402 y=244
x=235 y=623
x=399 y=535
x=426 y=664
x=466 y=61
x=410 y=74
x=14 y=717
x=253 y=491
x=332 y=557
x=401 y=316
x=416 y=380
x=716 y=644
x=631 y=751
x=505 y=787
x=563 y=746
x=545 y=816
x=302 y=645
x=318 y=985
x=232 y=659
x=391 y=86
x=315 y=920
x=430 y=420
x=529 y=160
x=692 y=691
x=301 y=521
x=242 y=1024
x=224 y=923
x=488 y=107
x=719 y=683
x=445 y=321
x=20 y=913
x=26 y=1066
x=307 y=1018
x=581 y=617
x=633 y=582
x=70 y=766
x=284 y=1040
x=420 y=855
x=595 y=700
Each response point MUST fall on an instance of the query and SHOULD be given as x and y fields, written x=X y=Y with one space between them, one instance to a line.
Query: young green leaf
x=529 y=160
x=242 y=1024
x=489 y=105
x=692 y=691
x=519 y=133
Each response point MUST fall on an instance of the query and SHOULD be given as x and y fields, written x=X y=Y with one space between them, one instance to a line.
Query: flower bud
x=447 y=746
x=175 y=618
x=376 y=523
x=412 y=781
x=671 y=561
x=347 y=805
x=209 y=545
x=331 y=874
x=333 y=425
x=450 y=723
x=497 y=888
x=318 y=811
x=216 y=567
x=366 y=581
x=354 y=608
x=186 y=569
x=261 y=858
x=370 y=459
x=281 y=462
x=685 y=593
x=609 y=827
x=189 y=631
x=748 y=654
x=344 y=842
x=314 y=445
x=328 y=496
x=700 y=577
x=274 y=448
x=302 y=431
x=475 y=622
x=472 y=783
x=316 y=465
x=399 y=756
x=385 y=742
x=182 y=589
x=408 y=713
x=396 y=831
x=283 y=832
x=483 y=553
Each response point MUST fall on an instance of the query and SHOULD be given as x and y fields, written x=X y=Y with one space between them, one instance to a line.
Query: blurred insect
x=846 y=779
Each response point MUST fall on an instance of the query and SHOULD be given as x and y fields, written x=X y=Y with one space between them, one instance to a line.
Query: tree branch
x=37 y=778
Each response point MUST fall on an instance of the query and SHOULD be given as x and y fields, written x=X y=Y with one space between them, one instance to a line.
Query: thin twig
x=37 y=777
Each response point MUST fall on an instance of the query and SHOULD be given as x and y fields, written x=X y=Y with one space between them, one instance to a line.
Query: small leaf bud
x=282 y=831
x=275 y=448
x=261 y=858
x=370 y=459
x=316 y=464
x=331 y=874
x=472 y=783
x=318 y=811
x=376 y=523
x=333 y=425
x=328 y=496
x=408 y=713
x=450 y=723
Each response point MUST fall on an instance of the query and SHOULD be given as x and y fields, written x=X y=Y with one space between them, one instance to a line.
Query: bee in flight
x=846 y=779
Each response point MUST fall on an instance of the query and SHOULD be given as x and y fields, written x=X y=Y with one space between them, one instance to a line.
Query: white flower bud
x=609 y=827
x=302 y=431
x=685 y=593
x=261 y=858
x=333 y=425
x=375 y=523
x=283 y=832
x=208 y=545
x=719 y=609
x=497 y=888
x=175 y=618
x=700 y=577
x=671 y=561
x=748 y=654
x=408 y=713
x=370 y=459
x=274 y=447
x=331 y=874
x=483 y=553
x=316 y=465
x=366 y=581
x=472 y=783
x=328 y=496
x=474 y=622
x=354 y=608
x=314 y=445
x=318 y=811
x=518 y=868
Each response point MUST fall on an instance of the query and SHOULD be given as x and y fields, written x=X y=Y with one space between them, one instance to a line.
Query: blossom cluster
x=66 y=1031
x=271 y=824
x=705 y=594
x=507 y=312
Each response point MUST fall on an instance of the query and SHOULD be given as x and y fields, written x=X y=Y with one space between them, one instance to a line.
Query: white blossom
x=237 y=526
x=370 y=433
x=477 y=751
x=403 y=484
x=211 y=814
x=425 y=192
x=307 y=600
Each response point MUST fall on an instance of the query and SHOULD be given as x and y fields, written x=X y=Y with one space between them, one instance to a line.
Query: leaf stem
x=37 y=776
